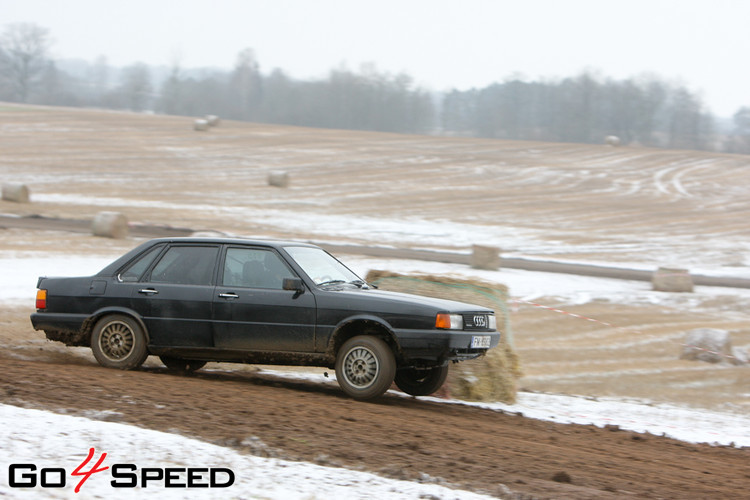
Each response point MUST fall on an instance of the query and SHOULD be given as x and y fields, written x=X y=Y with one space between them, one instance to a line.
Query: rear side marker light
x=41 y=299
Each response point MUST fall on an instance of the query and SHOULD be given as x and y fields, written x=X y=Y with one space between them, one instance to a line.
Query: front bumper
x=442 y=345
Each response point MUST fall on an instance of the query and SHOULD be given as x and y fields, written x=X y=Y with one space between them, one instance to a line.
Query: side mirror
x=293 y=284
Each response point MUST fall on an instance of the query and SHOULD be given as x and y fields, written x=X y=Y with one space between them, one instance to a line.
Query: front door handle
x=229 y=296
x=148 y=291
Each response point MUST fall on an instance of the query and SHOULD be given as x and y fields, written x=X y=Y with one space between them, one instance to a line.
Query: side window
x=254 y=268
x=136 y=269
x=186 y=265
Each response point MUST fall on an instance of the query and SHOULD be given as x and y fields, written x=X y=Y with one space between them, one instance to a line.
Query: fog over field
x=665 y=74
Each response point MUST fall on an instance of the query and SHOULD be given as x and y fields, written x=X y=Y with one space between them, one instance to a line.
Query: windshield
x=321 y=267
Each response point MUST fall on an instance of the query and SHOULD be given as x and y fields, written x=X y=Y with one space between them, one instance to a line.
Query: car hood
x=386 y=297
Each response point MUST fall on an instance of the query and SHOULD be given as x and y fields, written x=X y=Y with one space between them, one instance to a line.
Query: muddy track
x=399 y=437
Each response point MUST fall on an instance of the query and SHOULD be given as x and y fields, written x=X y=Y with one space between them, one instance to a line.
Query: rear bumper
x=58 y=321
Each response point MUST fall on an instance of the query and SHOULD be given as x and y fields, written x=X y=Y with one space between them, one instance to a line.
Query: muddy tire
x=365 y=367
x=182 y=365
x=118 y=341
x=421 y=382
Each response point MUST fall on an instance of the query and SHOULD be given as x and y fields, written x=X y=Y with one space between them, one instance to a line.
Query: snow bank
x=52 y=440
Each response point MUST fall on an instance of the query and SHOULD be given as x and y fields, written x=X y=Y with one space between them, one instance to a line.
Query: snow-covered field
x=629 y=207
x=717 y=257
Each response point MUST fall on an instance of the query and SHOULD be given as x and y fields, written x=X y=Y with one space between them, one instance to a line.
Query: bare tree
x=23 y=58
x=98 y=81
x=136 y=86
x=245 y=86
x=170 y=97
x=740 y=139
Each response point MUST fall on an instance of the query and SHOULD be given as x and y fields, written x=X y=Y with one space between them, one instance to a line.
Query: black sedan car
x=194 y=300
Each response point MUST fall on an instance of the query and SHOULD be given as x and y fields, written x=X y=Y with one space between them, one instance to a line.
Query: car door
x=252 y=311
x=175 y=297
x=122 y=292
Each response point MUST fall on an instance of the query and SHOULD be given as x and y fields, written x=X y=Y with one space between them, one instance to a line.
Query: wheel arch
x=88 y=325
x=362 y=325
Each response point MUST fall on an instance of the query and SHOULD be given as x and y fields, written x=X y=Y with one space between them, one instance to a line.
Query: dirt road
x=398 y=437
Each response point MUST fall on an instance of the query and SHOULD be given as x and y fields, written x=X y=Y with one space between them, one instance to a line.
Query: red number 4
x=87 y=474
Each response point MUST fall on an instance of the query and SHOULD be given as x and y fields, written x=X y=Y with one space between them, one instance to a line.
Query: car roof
x=229 y=241
x=127 y=257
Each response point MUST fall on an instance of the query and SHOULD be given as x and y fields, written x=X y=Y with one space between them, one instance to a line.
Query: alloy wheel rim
x=361 y=367
x=116 y=340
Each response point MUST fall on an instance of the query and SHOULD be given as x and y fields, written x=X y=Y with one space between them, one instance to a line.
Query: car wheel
x=365 y=367
x=421 y=382
x=118 y=341
x=182 y=365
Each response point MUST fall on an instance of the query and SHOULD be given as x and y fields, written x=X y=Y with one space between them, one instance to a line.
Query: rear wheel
x=365 y=367
x=421 y=382
x=182 y=365
x=118 y=341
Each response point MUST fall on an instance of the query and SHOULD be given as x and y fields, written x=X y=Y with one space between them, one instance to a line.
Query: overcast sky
x=443 y=44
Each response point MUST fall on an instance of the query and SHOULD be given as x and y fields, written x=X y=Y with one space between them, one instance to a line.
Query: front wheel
x=365 y=367
x=421 y=382
x=118 y=341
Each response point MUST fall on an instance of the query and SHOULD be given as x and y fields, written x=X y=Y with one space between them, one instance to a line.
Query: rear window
x=186 y=265
x=136 y=269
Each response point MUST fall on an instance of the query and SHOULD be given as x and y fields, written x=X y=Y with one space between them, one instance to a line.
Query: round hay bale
x=110 y=225
x=612 y=140
x=278 y=179
x=18 y=193
x=213 y=120
x=200 y=125
x=485 y=257
x=667 y=279
x=492 y=377
x=711 y=345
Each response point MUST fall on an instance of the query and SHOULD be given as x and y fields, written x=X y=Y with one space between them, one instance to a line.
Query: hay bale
x=200 y=125
x=669 y=279
x=741 y=356
x=110 y=225
x=612 y=140
x=710 y=345
x=485 y=257
x=490 y=378
x=278 y=179
x=212 y=120
x=18 y=193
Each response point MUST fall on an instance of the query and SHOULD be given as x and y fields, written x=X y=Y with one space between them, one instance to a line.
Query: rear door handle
x=229 y=296
x=148 y=291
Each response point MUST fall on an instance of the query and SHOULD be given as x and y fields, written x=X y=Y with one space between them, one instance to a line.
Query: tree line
x=585 y=108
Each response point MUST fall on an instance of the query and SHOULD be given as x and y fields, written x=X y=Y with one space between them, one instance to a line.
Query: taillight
x=41 y=299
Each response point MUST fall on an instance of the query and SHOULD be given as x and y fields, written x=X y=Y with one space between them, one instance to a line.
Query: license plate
x=480 y=342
